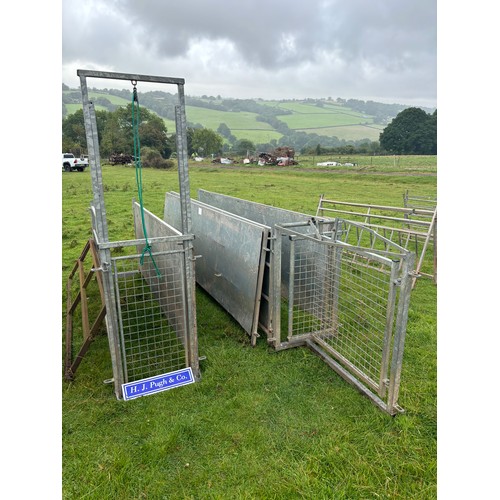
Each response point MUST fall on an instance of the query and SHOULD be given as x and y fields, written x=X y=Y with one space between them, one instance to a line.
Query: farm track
x=322 y=171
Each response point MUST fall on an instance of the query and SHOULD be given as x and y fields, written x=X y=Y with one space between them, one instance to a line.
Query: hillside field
x=329 y=119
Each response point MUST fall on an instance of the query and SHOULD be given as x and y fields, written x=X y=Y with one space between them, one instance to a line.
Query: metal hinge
x=104 y=267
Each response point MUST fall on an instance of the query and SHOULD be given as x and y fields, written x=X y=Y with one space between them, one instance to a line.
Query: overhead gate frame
x=106 y=247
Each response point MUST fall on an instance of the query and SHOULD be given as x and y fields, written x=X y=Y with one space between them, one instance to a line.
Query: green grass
x=211 y=118
x=260 y=424
x=349 y=132
x=314 y=120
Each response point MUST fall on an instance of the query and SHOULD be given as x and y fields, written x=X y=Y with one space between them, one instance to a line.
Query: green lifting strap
x=138 y=175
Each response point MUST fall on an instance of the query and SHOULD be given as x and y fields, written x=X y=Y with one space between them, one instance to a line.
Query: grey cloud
x=389 y=41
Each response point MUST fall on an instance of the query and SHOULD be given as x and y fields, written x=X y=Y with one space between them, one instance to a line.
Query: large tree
x=413 y=131
x=115 y=132
x=118 y=136
x=206 y=141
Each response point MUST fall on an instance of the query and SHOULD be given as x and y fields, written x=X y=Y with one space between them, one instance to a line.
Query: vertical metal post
x=386 y=350
x=291 y=287
x=399 y=337
x=276 y=254
x=337 y=272
x=102 y=233
x=185 y=200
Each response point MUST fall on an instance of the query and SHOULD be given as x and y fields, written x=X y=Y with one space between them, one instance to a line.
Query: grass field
x=349 y=132
x=260 y=424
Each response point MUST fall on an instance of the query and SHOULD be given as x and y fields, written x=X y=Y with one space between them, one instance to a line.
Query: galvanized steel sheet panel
x=231 y=264
x=257 y=212
x=263 y=214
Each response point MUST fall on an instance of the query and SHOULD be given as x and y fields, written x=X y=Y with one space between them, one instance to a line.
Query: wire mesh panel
x=151 y=313
x=350 y=306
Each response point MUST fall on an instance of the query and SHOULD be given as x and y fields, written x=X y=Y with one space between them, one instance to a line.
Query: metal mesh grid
x=151 y=304
x=343 y=298
x=362 y=315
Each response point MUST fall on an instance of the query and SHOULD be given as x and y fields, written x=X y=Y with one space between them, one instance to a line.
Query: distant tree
x=413 y=131
x=244 y=147
x=114 y=139
x=225 y=131
x=152 y=158
x=206 y=141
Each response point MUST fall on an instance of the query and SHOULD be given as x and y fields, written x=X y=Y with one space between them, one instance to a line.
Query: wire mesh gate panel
x=151 y=299
x=338 y=287
x=150 y=308
x=350 y=306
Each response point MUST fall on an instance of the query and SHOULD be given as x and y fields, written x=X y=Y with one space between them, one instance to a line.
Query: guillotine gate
x=149 y=296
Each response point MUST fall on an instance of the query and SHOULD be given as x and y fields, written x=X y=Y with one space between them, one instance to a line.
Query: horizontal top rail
x=400 y=230
x=381 y=256
x=129 y=76
x=377 y=216
x=404 y=210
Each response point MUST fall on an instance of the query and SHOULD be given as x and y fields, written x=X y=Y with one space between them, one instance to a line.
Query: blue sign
x=158 y=383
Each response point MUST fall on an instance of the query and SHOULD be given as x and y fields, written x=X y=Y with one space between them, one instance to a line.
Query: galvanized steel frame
x=100 y=223
x=399 y=269
x=341 y=243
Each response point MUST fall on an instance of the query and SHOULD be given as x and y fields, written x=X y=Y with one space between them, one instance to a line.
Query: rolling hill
x=259 y=121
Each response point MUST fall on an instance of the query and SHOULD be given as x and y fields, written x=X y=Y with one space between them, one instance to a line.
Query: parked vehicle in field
x=70 y=162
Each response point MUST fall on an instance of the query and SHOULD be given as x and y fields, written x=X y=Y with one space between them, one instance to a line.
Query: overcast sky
x=273 y=49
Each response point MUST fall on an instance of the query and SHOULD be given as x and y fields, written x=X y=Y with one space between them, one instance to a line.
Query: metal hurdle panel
x=150 y=306
x=412 y=227
x=232 y=253
x=349 y=305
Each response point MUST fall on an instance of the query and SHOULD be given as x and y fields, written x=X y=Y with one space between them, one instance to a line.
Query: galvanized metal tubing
x=413 y=226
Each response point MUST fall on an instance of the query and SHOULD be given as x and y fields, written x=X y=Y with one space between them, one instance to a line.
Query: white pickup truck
x=70 y=163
